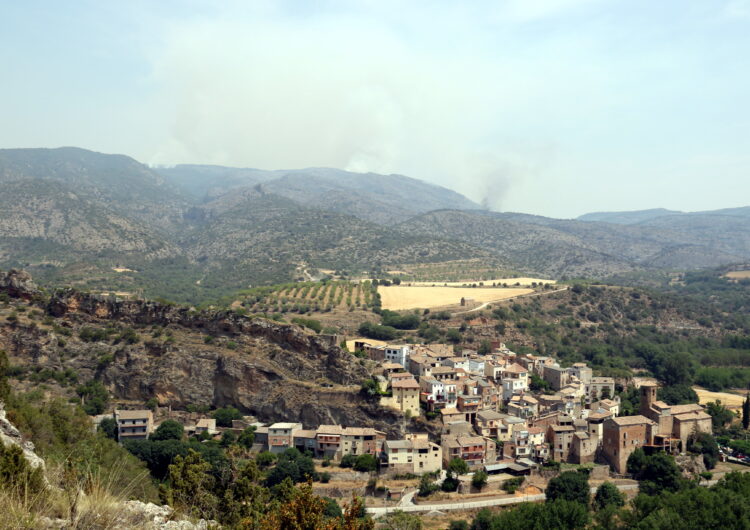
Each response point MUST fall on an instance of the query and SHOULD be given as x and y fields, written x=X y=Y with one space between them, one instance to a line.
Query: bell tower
x=648 y=398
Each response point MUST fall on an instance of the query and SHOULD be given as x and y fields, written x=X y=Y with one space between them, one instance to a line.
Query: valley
x=197 y=234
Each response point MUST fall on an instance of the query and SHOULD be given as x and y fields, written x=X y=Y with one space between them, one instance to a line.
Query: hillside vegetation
x=196 y=233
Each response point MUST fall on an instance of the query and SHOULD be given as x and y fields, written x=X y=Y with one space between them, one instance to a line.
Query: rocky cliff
x=183 y=357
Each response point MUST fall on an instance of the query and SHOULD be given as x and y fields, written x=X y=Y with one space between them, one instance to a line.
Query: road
x=406 y=504
x=529 y=295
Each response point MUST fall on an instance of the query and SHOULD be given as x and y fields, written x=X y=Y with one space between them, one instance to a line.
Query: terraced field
x=304 y=297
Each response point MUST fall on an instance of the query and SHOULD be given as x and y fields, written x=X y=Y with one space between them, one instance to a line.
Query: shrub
x=365 y=463
x=512 y=484
x=108 y=427
x=95 y=397
x=479 y=479
x=348 y=461
x=168 y=430
x=608 y=495
x=224 y=416
x=569 y=486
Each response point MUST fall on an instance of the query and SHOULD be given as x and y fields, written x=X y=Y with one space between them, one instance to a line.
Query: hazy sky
x=554 y=107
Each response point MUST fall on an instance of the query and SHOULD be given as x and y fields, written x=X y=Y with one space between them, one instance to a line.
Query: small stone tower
x=648 y=398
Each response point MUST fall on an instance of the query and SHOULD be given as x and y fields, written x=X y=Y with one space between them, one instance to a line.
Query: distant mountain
x=73 y=215
x=382 y=199
x=192 y=233
x=116 y=182
x=627 y=218
x=595 y=249
x=646 y=216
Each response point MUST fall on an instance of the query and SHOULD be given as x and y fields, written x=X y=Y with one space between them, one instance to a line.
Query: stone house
x=405 y=396
x=328 y=439
x=280 y=436
x=207 y=425
x=134 y=424
x=361 y=440
x=622 y=436
x=560 y=438
x=600 y=388
x=556 y=376
x=415 y=454
x=474 y=450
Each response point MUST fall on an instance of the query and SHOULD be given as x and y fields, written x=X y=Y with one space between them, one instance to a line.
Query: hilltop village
x=500 y=413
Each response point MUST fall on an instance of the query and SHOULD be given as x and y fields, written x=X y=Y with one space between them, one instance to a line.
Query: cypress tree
x=746 y=412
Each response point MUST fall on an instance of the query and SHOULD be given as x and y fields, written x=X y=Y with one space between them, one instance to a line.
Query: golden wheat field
x=729 y=400
x=498 y=281
x=738 y=275
x=397 y=297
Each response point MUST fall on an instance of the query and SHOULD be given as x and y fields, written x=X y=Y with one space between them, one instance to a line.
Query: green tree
x=16 y=474
x=479 y=479
x=95 y=397
x=557 y=515
x=608 y=495
x=265 y=459
x=246 y=438
x=293 y=465
x=678 y=394
x=636 y=461
x=720 y=415
x=108 y=427
x=332 y=508
x=660 y=473
x=458 y=466
x=191 y=486
x=348 y=460
x=168 y=430
x=224 y=416
x=369 y=388
x=704 y=444
x=426 y=486
x=458 y=525
x=244 y=499
x=366 y=463
x=569 y=486
x=228 y=438
x=746 y=413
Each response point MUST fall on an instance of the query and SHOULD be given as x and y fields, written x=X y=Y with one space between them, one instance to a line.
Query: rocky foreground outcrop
x=18 y=284
x=126 y=515
x=9 y=435
x=273 y=370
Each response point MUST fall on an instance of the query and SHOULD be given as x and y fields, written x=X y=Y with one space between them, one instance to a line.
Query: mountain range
x=194 y=232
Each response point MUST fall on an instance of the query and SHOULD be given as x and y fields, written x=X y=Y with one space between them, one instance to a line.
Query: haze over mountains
x=194 y=232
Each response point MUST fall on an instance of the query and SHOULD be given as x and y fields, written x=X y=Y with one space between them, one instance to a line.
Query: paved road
x=469 y=505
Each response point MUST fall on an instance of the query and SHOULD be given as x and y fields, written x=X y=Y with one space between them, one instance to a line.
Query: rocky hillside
x=196 y=233
x=182 y=357
x=573 y=248
x=384 y=199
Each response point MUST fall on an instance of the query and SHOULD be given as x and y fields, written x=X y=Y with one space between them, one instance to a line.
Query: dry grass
x=729 y=400
x=498 y=281
x=738 y=275
x=398 y=297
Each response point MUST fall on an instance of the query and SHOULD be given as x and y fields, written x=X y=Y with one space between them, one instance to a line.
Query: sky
x=549 y=107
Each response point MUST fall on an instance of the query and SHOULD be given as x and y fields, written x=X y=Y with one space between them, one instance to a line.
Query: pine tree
x=746 y=413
